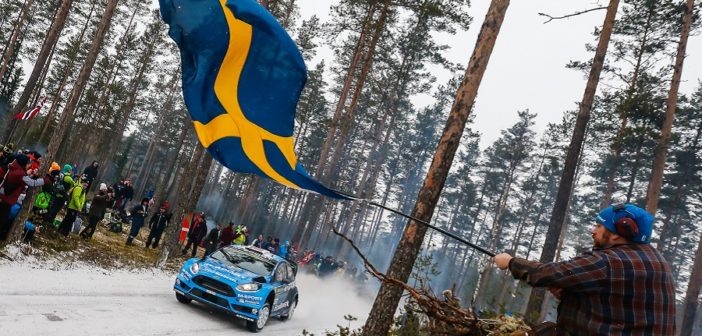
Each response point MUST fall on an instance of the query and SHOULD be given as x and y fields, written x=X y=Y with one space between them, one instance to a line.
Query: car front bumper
x=211 y=298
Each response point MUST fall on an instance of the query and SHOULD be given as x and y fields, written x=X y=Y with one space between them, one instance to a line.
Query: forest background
x=369 y=119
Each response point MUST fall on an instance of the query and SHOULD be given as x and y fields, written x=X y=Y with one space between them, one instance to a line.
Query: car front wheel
x=290 y=312
x=182 y=298
x=262 y=319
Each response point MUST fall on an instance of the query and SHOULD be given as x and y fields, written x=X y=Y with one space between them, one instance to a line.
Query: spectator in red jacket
x=16 y=179
x=226 y=237
x=196 y=233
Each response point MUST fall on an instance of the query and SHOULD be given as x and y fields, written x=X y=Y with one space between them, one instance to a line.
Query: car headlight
x=249 y=287
x=194 y=268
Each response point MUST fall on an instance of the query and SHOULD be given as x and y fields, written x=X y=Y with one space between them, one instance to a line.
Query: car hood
x=223 y=271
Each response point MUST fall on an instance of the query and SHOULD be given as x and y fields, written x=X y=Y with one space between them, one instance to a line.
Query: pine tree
x=69 y=109
x=47 y=47
x=566 y=183
x=654 y=187
x=387 y=299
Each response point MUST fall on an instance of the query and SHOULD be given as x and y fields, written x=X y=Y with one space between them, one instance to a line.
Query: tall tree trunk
x=495 y=232
x=678 y=198
x=306 y=217
x=46 y=48
x=55 y=102
x=120 y=54
x=381 y=315
x=290 y=8
x=347 y=119
x=654 y=186
x=692 y=300
x=81 y=81
x=634 y=172
x=163 y=184
x=126 y=110
x=38 y=89
x=623 y=113
x=199 y=183
x=184 y=158
x=171 y=244
x=68 y=110
x=343 y=95
x=566 y=185
x=250 y=196
x=165 y=111
x=17 y=30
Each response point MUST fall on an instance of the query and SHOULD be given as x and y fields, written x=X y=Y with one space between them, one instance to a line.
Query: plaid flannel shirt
x=618 y=290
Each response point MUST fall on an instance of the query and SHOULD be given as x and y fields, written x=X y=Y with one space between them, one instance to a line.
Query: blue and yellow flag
x=242 y=77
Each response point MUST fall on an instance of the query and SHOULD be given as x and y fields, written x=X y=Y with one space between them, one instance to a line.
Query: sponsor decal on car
x=285 y=288
x=250 y=299
x=281 y=305
x=249 y=302
x=224 y=273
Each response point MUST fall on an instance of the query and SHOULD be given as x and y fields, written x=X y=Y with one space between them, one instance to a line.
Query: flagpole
x=440 y=230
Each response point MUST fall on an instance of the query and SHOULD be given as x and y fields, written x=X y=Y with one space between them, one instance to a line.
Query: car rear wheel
x=183 y=299
x=262 y=319
x=290 y=312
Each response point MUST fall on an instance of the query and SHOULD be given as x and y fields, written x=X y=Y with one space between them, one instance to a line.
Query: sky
x=527 y=67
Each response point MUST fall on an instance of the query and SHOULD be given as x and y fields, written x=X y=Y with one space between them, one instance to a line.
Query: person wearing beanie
x=68 y=180
x=54 y=167
x=63 y=182
x=22 y=159
x=623 y=286
x=7 y=155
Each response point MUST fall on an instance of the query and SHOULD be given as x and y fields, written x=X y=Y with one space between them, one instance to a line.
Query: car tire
x=183 y=299
x=263 y=314
x=290 y=312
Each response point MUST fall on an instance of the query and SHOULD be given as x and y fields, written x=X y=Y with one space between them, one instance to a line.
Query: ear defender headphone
x=625 y=226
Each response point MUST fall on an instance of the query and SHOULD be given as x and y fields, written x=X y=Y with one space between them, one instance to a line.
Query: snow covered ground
x=49 y=298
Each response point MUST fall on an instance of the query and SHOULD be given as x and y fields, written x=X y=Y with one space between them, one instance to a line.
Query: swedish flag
x=242 y=77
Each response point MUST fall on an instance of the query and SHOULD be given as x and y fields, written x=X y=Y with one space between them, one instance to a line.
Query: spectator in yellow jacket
x=76 y=197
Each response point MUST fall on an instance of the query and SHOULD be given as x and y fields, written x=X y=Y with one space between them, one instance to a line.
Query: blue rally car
x=248 y=282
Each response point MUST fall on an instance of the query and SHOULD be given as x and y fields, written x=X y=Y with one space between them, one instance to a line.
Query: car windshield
x=246 y=260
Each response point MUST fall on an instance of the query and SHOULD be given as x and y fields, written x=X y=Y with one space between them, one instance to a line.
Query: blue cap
x=643 y=219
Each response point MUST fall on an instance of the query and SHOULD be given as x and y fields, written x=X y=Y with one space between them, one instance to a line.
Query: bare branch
x=449 y=317
x=551 y=18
